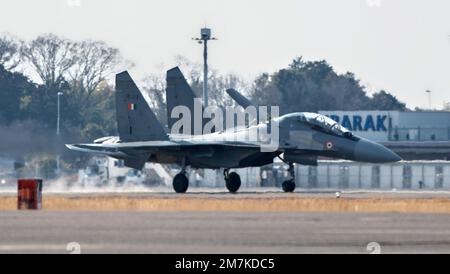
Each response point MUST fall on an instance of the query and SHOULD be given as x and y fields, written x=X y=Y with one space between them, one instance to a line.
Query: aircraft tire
x=289 y=186
x=180 y=183
x=233 y=182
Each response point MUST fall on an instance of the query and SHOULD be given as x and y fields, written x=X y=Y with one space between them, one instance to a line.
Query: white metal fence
x=345 y=175
x=351 y=175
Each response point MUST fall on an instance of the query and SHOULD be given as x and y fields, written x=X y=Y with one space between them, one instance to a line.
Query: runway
x=221 y=232
x=213 y=221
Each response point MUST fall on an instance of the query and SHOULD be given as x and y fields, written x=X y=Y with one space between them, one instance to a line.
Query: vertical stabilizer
x=135 y=120
x=179 y=93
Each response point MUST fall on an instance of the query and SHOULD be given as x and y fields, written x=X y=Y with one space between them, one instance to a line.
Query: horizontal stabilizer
x=243 y=102
x=239 y=98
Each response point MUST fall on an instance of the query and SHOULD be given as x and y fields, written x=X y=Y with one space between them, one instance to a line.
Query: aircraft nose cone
x=367 y=151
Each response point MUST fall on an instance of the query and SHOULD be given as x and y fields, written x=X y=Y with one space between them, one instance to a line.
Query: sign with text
x=373 y=125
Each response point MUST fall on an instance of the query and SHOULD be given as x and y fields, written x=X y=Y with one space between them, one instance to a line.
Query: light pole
x=205 y=36
x=58 y=131
x=59 y=114
x=429 y=98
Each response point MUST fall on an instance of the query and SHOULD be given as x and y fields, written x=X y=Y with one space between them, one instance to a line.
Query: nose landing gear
x=289 y=185
x=232 y=181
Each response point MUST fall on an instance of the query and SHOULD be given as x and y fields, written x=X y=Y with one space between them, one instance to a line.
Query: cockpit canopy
x=324 y=123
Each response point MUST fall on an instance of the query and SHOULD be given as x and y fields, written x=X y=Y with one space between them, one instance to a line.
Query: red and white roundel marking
x=329 y=145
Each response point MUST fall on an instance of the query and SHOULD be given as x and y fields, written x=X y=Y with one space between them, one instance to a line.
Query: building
x=413 y=135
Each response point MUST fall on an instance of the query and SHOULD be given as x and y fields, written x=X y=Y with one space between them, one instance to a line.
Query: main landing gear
x=289 y=185
x=180 y=181
x=232 y=181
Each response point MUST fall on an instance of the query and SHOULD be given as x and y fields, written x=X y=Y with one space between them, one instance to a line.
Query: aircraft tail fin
x=135 y=120
x=179 y=93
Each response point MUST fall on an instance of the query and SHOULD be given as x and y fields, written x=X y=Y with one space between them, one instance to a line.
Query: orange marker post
x=29 y=194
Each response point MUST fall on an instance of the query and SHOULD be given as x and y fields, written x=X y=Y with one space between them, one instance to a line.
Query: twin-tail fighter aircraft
x=301 y=138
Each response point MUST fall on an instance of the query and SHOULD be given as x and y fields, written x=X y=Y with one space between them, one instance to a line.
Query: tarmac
x=226 y=232
x=191 y=232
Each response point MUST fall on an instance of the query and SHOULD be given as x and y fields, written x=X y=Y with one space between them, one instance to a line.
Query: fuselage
x=299 y=137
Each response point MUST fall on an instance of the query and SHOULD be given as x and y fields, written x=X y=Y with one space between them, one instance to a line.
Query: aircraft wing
x=153 y=146
x=136 y=154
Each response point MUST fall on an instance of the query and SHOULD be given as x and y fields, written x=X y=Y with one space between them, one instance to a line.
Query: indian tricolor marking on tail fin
x=132 y=106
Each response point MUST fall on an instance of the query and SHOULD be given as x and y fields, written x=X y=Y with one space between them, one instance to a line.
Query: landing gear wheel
x=180 y=183
x=233 y=182
x=289 y=186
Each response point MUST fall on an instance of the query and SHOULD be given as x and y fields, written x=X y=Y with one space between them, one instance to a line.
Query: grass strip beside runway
x=236 y=204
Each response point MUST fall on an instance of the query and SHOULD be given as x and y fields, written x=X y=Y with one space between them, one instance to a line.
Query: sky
x=402 y=46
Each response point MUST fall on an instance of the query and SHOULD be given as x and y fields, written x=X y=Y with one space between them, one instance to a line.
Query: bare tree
x=84 y=65
x=9 y=52
x=51 y=57
x=217 y=83
x=155 y=88
x=446 y=106
x=94 y=62
x=191 y=70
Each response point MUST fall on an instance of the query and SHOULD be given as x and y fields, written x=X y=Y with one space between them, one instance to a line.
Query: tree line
x=32 y=73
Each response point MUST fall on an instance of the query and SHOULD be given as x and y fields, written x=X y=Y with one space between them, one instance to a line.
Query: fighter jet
x=302 y=139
